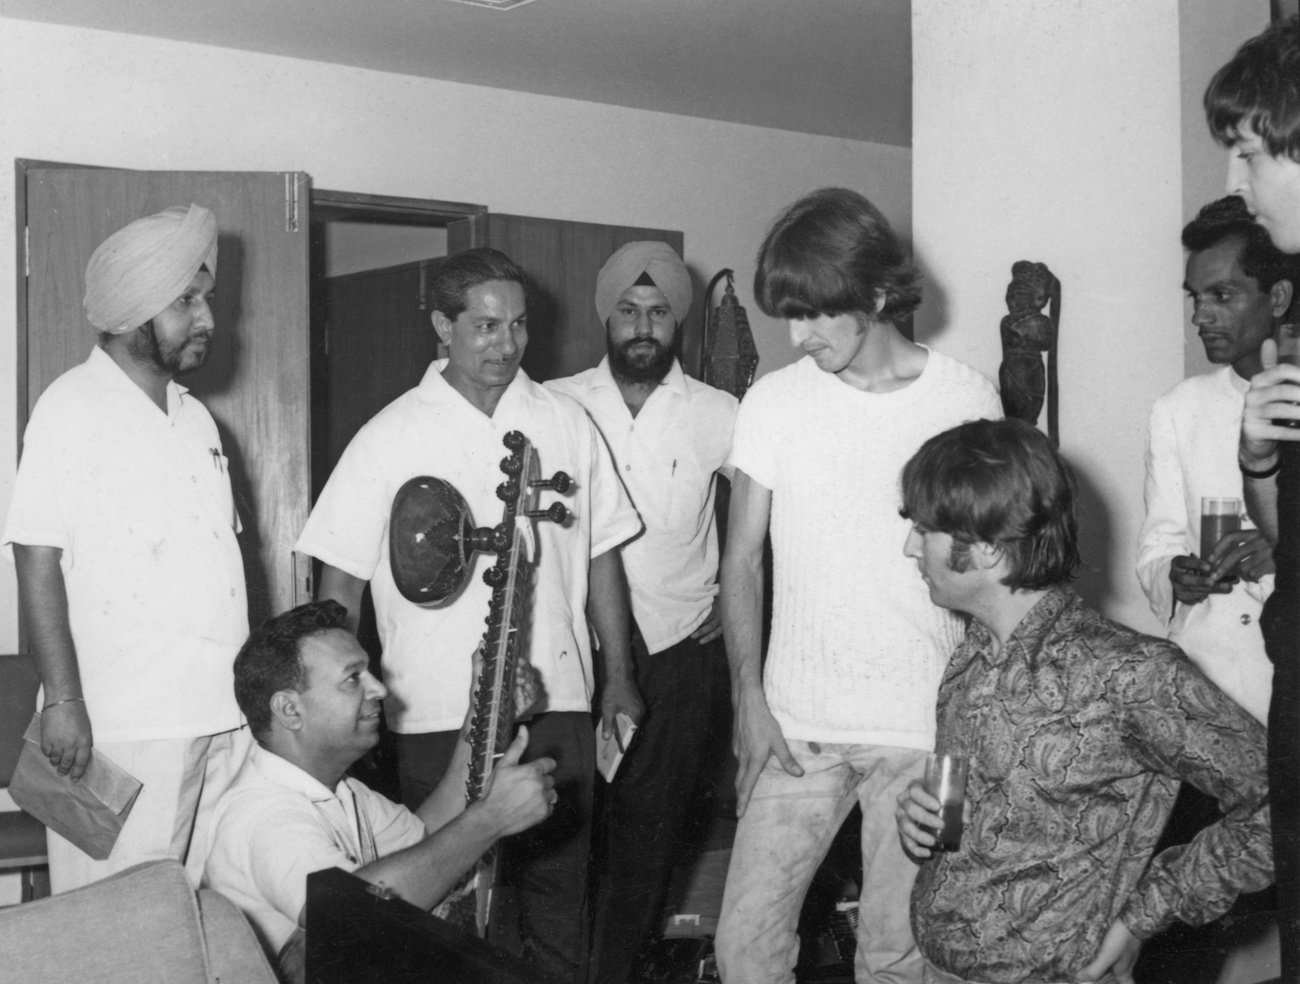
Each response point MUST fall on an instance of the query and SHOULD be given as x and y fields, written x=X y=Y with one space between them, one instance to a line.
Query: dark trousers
x=1281 y=625
x=542 y=912
x=642 y=814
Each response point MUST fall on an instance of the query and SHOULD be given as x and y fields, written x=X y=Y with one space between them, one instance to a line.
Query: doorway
x=371 y=259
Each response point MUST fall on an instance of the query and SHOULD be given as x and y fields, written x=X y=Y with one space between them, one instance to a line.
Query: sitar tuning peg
x=560 y=482
x=556 y=513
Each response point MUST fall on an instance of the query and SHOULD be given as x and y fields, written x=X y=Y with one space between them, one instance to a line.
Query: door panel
x=563 y=258
x=379 y=342
x=256 y=379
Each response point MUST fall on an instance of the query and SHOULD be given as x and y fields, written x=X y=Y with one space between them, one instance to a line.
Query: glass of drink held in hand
x=945 y=780
x=1219 y=517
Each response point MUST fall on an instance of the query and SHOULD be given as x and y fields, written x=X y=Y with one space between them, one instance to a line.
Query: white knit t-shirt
x=857 y=648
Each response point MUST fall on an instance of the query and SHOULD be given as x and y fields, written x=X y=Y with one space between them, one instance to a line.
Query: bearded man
x=669 y=435
x=122 y=528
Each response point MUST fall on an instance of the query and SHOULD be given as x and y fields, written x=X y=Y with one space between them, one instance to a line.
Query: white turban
x=656 y=260
x=140 y=269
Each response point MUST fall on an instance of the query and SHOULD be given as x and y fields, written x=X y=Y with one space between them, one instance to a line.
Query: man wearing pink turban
x=670 y=436
x=122 y=528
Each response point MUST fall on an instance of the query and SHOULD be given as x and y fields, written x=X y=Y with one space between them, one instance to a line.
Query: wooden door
x=564 y=334
x=256 y=379
x=378 y=341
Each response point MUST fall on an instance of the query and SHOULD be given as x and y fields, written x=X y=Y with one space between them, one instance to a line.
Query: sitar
x=432 y=540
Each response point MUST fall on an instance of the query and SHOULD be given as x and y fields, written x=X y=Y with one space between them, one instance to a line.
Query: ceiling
x=840 y=68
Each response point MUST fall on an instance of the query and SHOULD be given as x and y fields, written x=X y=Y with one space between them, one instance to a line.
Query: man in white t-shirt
x=122 y=528
x=451 y=426
x=670 y=436
x=305 y=685
x=841 y=711
x=1241 y=286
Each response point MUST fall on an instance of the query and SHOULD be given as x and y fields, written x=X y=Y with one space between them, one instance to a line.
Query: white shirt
x=857 y=648
x=433 y=430
x=139 y=502
x=1192 y=452
x=667 y=456
x=277 y=824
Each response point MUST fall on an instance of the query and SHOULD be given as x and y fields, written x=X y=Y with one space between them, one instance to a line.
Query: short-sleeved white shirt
x=277 y=824
x=857 y=647
x=140 y=504
x=667 y=456
x=433 y=430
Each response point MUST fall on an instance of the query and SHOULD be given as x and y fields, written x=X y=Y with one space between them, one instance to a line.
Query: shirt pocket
x=689 y=493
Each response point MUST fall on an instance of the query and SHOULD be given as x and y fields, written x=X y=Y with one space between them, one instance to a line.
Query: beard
x=642 y=360
x=169 y=358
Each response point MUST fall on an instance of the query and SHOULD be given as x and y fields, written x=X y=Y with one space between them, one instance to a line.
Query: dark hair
x=830 y=253
x=1260 y=259
x=1260 y=89
x=270 y=660
x=999 y=482
x=469 y=268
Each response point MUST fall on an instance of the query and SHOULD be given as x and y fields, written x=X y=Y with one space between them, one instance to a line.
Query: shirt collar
x=1028 y=637
x=282 y=772
x=105 y=368
x=1237 y=383
x=434 y=389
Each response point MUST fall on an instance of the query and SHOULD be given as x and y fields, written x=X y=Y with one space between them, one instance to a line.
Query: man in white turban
x=122 y=528
x=670 y=436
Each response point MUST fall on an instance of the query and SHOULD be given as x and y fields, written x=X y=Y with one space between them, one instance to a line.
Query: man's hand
x=710 y=628
x=1191 y=579
x=1115 y=957
x=66 y=738
x=756 y=738
x=519 y=796
x=918 y=820
x=619 y=695
x=1245 y=554
x=1274 y=394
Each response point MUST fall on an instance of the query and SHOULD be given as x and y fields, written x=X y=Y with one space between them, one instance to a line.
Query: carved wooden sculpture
x=1026 y=334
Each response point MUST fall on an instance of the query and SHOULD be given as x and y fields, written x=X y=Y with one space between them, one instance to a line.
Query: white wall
x=100 y=98
x=1050 y=131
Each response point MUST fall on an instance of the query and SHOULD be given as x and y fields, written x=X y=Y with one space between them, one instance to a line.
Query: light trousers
x=182 y=779
x=783 y=837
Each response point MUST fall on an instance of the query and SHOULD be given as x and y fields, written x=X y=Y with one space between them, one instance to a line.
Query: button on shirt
x=433 y=430
x=667 y=456
x=278 y=824
x=1079 y=731
x=139 y=502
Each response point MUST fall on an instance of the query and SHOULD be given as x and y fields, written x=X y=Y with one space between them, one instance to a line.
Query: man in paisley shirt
x=1078 y=730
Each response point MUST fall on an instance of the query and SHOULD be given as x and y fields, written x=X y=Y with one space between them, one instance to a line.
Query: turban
x=140 y=269
x=626 y=267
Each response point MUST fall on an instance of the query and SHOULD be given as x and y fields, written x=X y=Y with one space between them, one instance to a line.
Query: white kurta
x=1192 y=452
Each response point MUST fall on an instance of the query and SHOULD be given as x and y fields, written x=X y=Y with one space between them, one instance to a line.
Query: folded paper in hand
x=89 y=812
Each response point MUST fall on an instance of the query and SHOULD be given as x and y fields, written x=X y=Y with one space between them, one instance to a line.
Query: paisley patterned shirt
x=1079 y=733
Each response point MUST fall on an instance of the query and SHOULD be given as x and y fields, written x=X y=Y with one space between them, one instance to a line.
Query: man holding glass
x=1209 y=595
x=1077 y=732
